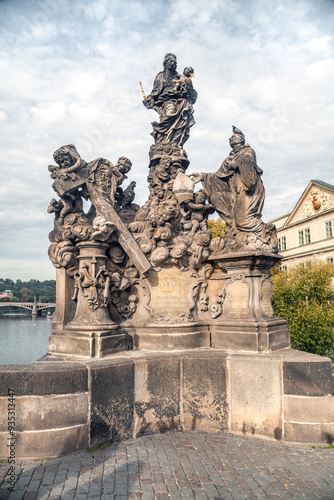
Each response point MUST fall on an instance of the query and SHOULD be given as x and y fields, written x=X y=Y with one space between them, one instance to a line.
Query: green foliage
x=217 y=228
x=14 y=299
x=45 y=290
x=304 y=296
x=26 y=294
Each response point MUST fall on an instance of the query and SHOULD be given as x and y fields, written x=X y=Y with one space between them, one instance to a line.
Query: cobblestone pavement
x=179 y=466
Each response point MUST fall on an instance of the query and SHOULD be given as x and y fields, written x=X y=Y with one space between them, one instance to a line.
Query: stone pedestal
x=91 y=332
x=171 y=323
x=247 y=321
x=166 y=337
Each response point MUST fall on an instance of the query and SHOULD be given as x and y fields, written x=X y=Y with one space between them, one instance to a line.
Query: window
x=304 y=236
x=282 y=243
x=301 y=237
x=330 y=260
x=283 y=268
x=329 y=229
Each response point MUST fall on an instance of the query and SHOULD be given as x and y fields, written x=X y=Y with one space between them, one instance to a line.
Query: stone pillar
x=65 y=307
x=34 y=308
x=247 y=321
x=91 y=332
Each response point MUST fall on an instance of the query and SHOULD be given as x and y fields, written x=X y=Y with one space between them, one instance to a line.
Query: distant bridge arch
x=34 y=307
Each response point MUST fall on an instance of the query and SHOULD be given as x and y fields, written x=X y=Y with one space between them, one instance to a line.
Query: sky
x=70 y=75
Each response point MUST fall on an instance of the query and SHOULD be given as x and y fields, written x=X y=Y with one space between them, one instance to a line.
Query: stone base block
x=303 y=432
x=205 y=391
x=260 y=336
x=88 y=344
x=46 y=411
x=168 y=338
x=47 y=443
x=256 y=394
x=309 y=409
x=157 y=394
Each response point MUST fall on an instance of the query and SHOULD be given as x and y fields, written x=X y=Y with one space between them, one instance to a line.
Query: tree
x=304 y=296
x=217 y=228
x=14 y=299
x=27 y=295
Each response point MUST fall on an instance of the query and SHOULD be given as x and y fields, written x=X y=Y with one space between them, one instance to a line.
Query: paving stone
x=175 y=496
x=43 y=492
x=179 y=466
x=30 y=495
x=33 y=486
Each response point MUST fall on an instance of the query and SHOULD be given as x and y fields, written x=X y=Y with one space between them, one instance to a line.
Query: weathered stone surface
x=112 y=401
x=51 y=442
x=170 y=294
x=46 y=412
x=43 y=379
x=262 y=336
x=242 y=312
x=256 y=395
x=169 y=338
x=309 y=432
x=310 y=378
x=157 y=406
x=204 y=391
x=70 y=343
x=135 y=393
x=308 y=409
x=65 y=309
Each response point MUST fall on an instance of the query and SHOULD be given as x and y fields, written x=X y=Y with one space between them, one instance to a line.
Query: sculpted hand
x=148 y=102
x=195 y=177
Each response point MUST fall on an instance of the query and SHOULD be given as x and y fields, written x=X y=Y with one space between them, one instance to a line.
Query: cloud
x=71 y=71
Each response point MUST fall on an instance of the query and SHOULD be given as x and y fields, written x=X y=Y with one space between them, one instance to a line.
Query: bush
x=217 y=228
x=304 y=296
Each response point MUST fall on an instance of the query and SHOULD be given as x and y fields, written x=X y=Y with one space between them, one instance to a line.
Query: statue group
x=170 y=229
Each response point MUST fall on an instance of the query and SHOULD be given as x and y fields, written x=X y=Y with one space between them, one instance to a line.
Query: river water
x=23 y=339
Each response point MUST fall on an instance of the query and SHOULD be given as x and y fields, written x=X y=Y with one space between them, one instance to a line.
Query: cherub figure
x=69 y=180
x=197 y=210
x=188 y=74
x=69 y=161
x=102 y=229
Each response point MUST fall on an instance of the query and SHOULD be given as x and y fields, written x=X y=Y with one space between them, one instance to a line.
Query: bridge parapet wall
x=66 y=405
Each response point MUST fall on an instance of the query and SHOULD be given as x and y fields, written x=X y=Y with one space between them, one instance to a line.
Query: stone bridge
x=35 y=307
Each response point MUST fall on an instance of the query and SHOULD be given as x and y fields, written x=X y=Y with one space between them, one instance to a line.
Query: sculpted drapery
x=172 y=97
x=236 y=190
x=237 y=193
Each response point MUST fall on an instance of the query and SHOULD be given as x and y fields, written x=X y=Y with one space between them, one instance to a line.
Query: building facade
x=308 y=231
